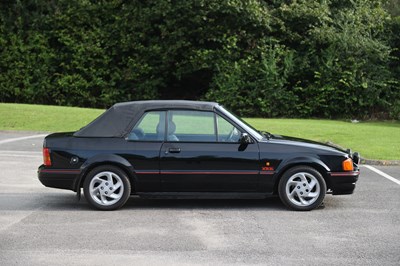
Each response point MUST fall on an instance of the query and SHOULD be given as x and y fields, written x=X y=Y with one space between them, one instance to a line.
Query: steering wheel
x=232 y=134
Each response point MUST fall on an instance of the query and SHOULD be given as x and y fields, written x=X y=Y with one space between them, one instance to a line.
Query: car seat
x=171 y=131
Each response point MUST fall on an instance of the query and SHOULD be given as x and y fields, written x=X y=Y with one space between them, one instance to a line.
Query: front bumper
x=58 y=178
x=343 y=183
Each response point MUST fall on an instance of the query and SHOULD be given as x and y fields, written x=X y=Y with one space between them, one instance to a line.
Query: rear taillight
x=46 y=157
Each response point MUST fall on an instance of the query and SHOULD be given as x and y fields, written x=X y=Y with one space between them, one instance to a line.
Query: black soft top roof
x=120 y=118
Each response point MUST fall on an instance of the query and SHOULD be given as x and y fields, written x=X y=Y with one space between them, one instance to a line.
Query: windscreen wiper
x=266 y=134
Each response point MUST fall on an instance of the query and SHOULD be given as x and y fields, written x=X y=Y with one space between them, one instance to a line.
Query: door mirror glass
x=245 y=138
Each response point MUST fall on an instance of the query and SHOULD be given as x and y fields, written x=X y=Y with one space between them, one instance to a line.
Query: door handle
x=174 y=150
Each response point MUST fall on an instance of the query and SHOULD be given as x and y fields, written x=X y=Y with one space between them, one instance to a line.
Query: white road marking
x=383 y=174
x=20 y=152
x=26 y=154
x=19 y=155
x=22 y=138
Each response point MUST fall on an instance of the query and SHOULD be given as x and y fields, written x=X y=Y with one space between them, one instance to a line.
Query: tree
x=299 y=58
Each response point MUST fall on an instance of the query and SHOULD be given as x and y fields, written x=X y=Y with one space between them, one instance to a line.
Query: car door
x=196 y=157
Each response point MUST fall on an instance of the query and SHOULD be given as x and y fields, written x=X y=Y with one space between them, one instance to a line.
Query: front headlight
x=356 y=158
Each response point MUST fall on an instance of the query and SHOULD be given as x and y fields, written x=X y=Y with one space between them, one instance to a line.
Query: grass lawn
x=44 y=118
x=374 y=140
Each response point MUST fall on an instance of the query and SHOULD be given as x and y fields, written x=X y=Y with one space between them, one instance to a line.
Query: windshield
x=254 y=132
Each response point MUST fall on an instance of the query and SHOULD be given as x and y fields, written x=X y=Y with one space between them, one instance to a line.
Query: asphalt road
x=43 y=226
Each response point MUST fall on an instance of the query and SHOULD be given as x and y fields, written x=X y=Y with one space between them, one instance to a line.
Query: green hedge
x=334 y=58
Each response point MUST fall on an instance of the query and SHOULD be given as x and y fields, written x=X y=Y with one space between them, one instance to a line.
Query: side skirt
x=203 y=195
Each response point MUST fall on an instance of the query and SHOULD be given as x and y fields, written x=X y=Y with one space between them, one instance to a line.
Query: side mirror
x=245 y=138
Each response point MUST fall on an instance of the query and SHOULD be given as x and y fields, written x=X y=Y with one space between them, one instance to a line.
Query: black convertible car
x=188 y=149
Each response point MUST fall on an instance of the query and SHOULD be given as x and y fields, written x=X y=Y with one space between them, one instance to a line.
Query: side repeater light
x=348 y=165
x=46 y=157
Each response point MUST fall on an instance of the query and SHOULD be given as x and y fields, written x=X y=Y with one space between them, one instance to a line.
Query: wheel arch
x=105 y=159
x=315 y=163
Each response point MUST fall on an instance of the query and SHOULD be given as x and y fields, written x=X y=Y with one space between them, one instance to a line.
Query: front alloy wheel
x=302 y=188
x=107 y=188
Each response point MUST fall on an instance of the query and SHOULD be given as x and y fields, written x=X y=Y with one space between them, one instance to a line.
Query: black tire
x=107 y=187
x=302 y=188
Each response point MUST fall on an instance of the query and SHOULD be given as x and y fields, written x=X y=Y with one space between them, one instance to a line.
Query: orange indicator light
x=348 y=165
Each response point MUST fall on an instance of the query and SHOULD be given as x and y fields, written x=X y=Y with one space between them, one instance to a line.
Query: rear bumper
x=343 y=182
x=58 y=178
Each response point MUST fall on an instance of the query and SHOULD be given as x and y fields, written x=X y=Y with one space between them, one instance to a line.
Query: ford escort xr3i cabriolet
x=190 y=149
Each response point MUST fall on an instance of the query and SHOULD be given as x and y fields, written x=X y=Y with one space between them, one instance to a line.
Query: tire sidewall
x=117 y=171
x=289 y=173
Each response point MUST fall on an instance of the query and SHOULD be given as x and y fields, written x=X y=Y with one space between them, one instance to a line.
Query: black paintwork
x=182 y=169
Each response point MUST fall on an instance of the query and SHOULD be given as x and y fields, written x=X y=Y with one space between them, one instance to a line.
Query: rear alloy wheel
x=107 y=187
x=302 y=188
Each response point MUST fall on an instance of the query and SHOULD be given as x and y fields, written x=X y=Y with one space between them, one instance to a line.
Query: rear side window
x=151 y=127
